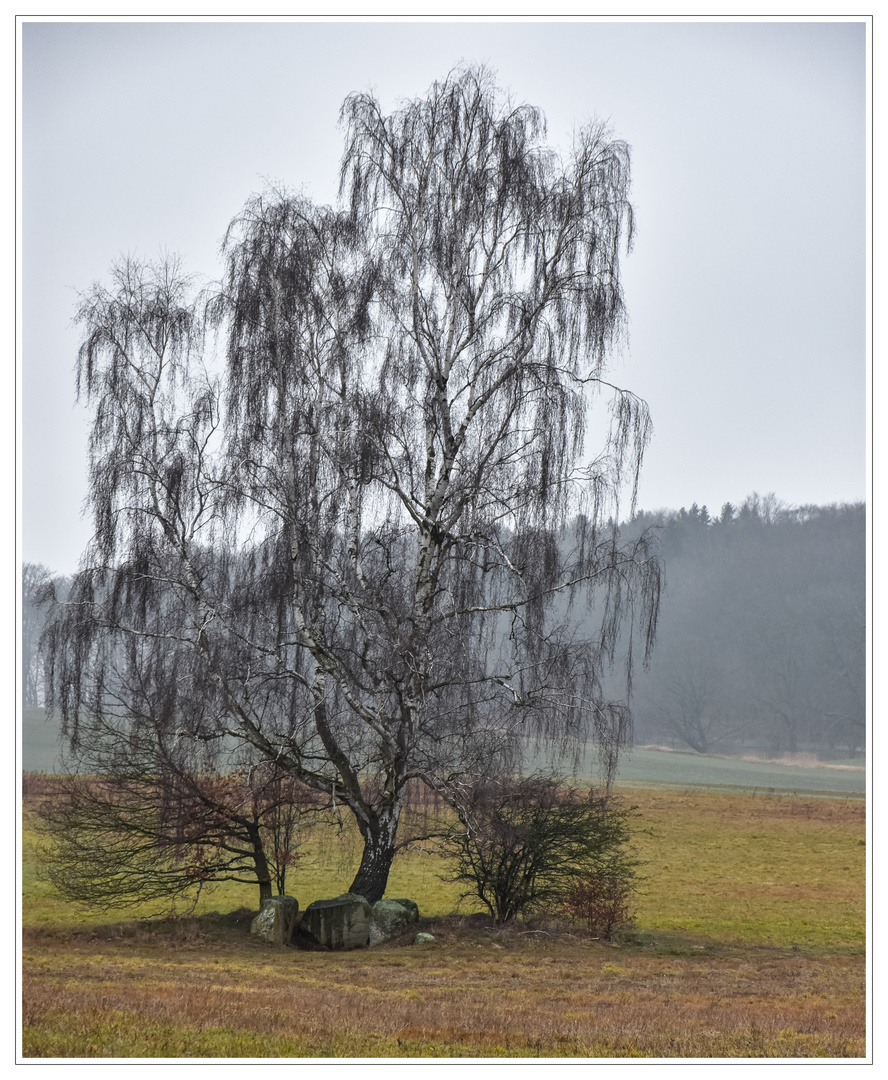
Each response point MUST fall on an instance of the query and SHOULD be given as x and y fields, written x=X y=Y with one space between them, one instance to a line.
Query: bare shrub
x=525 y=845
x=601 y=901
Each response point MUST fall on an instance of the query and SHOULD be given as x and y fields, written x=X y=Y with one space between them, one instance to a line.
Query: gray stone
x=422 y=939
x=390 y=918
x=411 y=906
x=275 y=921
x=340 y=923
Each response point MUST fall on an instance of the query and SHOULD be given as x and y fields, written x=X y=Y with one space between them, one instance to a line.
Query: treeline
x=762 y=632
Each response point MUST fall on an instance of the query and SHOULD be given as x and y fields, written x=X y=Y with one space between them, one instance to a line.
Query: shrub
x=142 y=816
x=601 y=900
x=526 y=845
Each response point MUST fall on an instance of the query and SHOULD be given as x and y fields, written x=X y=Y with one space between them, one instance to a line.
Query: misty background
x=746 y=292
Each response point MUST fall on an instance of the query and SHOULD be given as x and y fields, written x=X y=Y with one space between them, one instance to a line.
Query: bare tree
x=353 y=551
x=145 y=816
x=690 y=709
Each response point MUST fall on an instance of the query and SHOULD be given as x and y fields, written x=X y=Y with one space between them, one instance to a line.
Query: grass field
x=749 y=942
x=644 y=766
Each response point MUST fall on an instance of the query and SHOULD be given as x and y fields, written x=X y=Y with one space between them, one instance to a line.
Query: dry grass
x=472 y=994
x=749 y=944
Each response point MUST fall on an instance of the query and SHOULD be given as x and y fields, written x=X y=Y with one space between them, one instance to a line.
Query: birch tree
x=363 y=548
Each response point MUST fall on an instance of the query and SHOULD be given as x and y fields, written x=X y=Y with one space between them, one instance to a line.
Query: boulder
x=275 y=921
x=390 y=918
x=411 y=906
x=340 y=923
x=422 y=939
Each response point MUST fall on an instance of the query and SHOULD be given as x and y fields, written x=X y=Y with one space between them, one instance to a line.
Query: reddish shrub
x=601 y=901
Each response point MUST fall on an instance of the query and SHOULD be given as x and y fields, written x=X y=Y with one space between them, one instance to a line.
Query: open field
x=648 y=765
x=39 y=741
x=749 y=942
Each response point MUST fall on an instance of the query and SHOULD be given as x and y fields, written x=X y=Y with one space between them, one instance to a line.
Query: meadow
x=748 y=942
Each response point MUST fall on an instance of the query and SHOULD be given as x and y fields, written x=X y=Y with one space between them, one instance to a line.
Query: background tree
x=349 y=553
x=690 y=708
x=34 y=578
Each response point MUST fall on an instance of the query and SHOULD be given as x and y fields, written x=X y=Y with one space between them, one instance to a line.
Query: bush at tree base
x=526 y=845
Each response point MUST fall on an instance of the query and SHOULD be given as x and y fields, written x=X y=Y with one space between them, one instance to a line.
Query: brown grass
x=749 y=944
x=474 y=992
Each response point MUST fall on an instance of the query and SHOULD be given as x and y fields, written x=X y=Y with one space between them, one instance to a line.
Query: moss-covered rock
x=390 y=918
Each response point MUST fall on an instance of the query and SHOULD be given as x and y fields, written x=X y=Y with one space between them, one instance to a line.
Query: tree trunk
x=379 y=851
x=790 y=726
x=260 y=862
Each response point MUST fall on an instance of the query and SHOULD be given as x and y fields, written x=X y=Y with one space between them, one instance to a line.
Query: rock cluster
x=343 y=922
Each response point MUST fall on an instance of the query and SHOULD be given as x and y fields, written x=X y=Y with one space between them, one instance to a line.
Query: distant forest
x=762 y=634
x=761 y=639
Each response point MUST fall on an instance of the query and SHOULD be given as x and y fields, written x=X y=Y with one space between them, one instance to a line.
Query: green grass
x=650 y=767
x=687 y=770
x=766 y=870
x=763 y=869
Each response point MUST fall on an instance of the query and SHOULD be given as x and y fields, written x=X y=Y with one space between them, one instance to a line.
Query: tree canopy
x=344 y=507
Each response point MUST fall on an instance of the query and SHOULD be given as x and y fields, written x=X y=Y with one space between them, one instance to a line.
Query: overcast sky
x=746 y=287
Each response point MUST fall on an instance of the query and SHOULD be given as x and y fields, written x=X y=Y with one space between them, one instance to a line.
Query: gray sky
x=746 y=287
